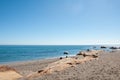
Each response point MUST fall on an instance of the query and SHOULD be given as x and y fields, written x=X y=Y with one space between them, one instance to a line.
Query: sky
x=59 y=22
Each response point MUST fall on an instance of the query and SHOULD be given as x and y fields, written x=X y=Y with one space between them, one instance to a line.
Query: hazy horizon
x=59 y=22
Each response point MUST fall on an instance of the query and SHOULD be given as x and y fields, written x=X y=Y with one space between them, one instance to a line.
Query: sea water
x=13 y=53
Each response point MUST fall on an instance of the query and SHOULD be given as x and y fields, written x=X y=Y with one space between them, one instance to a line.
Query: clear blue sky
x=59 y=22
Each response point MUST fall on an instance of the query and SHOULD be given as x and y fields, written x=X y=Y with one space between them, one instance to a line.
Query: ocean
x=13 y=53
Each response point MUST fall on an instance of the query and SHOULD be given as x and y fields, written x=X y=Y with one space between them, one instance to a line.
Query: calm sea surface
x=13 y=53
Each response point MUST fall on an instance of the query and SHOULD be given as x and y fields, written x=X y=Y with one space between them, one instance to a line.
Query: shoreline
x=22 y=53
x=34 y=60
x=26 y=61
x=24 y=58
x=56 y=66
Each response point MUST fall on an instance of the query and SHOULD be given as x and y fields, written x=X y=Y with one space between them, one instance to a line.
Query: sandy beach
x=59 y=40
x=105 y=67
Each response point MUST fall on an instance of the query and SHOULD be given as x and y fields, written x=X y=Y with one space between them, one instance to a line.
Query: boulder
x=103 y=47
x=61 y=58
x=114 y=48
x=66 y=52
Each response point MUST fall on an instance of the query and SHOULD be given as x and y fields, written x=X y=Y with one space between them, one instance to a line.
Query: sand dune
x=58 y=66
x=63 y=64
x=7 y=73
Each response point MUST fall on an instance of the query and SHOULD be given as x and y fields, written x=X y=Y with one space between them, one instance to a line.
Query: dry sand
x=7 y=73
x=106 y=67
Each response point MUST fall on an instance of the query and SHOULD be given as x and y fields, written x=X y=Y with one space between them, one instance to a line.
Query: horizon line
x=54 y=44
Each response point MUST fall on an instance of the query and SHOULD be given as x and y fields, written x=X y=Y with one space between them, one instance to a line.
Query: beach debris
x=61 y=58
x=40 y=71
x=69 y=63
x=103 y=47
